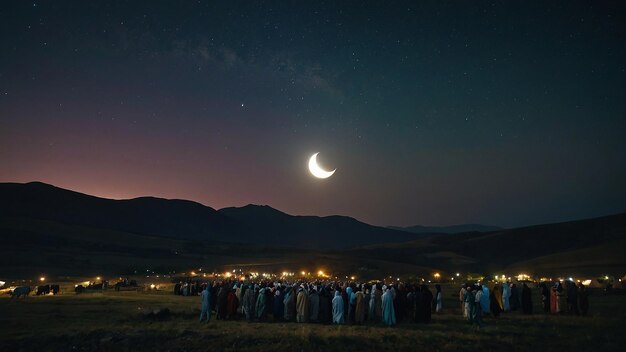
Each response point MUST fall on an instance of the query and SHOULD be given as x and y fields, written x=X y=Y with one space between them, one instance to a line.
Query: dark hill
x=147 y=215
x=183 y=219
x=334 y=232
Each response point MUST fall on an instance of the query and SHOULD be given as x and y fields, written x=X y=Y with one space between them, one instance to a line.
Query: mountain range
x=62 y=231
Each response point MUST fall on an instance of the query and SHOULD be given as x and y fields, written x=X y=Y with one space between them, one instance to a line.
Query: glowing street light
x=42 y=279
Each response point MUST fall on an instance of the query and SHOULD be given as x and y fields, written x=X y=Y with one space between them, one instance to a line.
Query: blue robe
x=389 y=315
x=484 y=300
x=506 y=294
x=205 y=297
x=338 y=309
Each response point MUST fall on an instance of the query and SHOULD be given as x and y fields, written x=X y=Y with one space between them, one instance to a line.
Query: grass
x=113 y=321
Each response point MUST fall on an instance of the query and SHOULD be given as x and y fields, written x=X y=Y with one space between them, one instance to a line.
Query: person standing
x=478 y=311
x=469 y=302
x=438 y=299
x=389 y=314
x=338 y=310
x=314 y=305
x=302 y=305
x=205 y=298
x=527 y=303
x=462 y=300
x=583 y=299
x=506 y=294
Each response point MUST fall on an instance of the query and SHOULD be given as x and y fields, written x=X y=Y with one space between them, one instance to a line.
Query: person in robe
x=249 y=303
x=478 y=310
x=278 y=309
x=231 y=305
x=583 y=299
x=506 y=295
x=438 y=299
x=302 y=305
x=338 y=309
x=561 y=299
x=222 y=302
x=290 y=304
x=545 y=297
x=347 y=298
x=497 y=291
x=572 y=298
x=527 y=303
x=462 y=300
x=554 y=302
x=389 y=314
x=470 y=303
x=484 y=300
x=494 y=303
x=205 y=298
x=514 y=298
x=371 y=314
x=366 y=301
x=261 y=303
x=427 y=304
x=314 y=305
x=326 y=309
x=359 y=307
x=410 y=302
x=468 y=299
x=400 y=302
x=378 y=303
x=239 y=296
x=418 y=307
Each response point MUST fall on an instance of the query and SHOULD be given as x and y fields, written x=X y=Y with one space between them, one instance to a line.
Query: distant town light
x=42 y=279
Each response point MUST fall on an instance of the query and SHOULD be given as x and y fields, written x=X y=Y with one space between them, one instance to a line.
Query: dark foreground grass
x=114 y=321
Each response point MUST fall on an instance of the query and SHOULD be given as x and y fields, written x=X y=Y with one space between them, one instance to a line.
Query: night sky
x=505 y=113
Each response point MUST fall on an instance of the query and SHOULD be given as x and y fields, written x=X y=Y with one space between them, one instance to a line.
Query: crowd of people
x=480 y=300
x=352 y=303
x=339 y=303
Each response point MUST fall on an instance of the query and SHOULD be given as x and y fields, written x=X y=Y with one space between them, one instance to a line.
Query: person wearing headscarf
x=572 y=298
x=560 y=296
x=514 y=298
x=554 y=302
x=400 y=302
x=477 y=317
x=359 y=308
x=418 y=307
x=371 y=313
x=232 y=304
x=427 y=303
x=438 y=299
x=278 y=308
x=302 y=305
x=290 y=304
x=239 y=296
x=261 y=303
x=249 y=303
x=497 y=293
x=205 y=298
x=222 y=302
x=366 y=301
x=462 y=292
x=484 y=300
x=338 y=309
x=326 y=309
x=494 y=303
x=527 y=303
x=583 y=299
x=314 y=305
x=506 y=294
x=546 y=297
x=347 y=301
x=389 y=314
x=469 y=303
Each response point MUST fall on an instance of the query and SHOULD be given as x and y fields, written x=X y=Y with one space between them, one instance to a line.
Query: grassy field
x=114 y=321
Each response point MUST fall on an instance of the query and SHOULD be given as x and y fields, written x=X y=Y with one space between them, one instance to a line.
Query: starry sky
x=505 y=113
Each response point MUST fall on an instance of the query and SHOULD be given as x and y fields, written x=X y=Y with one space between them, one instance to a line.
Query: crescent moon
x=316 y=170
